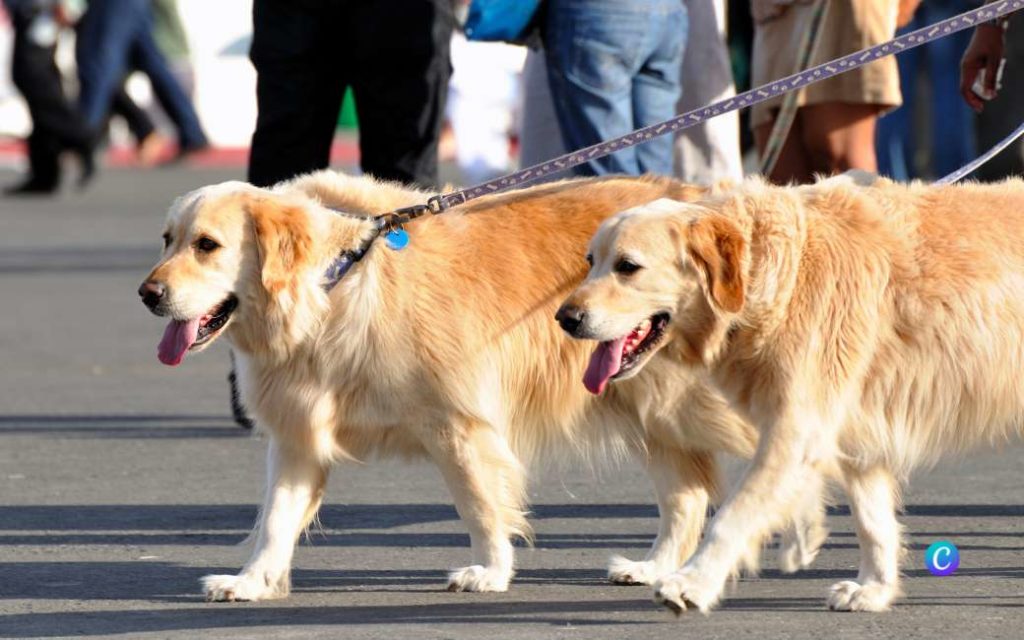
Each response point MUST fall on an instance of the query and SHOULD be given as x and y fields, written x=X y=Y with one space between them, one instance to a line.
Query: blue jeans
x=114 y=37
x=951 y=120
x=614 y=66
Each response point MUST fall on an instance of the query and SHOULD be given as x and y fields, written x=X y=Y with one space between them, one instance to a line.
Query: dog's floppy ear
x=284 y=241
x=716 y=246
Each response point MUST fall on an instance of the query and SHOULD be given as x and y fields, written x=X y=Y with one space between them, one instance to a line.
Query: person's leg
x=540 y=137
x=594 y=49
x=103 y=41
x=895 y=132
x=44 y=164
x=839 y=136
x=299 y=87
x=31 y=75
x=147 y=58
x=656 y=88
x=401 y=66
x=55 y=124
x=952 y=121
x=139 y=124
x=793 y=165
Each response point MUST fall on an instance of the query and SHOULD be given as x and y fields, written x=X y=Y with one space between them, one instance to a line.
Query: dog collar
x=390 y=225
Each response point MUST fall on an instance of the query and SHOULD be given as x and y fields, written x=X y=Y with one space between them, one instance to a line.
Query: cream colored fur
x=447 y=349
x=865 y=330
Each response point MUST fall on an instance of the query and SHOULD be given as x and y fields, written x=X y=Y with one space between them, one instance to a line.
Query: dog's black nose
x=570 y=318
x=152 y=293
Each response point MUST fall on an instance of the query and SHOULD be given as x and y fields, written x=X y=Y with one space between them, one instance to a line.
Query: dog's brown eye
x=590 y=259
x=206 y=245
x=167 y=240
x=626 y=267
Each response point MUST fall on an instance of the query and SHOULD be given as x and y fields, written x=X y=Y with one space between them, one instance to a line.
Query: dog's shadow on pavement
x=172 y=589
x=241 y=617
x=175 y=588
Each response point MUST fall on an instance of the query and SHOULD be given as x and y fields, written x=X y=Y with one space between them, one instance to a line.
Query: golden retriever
x=446 y=349
x=864 y=330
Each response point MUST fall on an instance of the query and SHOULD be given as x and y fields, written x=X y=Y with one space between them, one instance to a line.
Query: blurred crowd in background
x=396 y=87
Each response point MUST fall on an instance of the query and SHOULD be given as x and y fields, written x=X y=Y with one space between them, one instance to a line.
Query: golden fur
x=446 y=349
x=865 y=331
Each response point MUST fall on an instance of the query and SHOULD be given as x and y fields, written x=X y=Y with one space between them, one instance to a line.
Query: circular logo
x=942 y=558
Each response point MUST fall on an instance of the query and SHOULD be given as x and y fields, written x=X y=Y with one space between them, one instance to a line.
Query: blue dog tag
x=397 y=239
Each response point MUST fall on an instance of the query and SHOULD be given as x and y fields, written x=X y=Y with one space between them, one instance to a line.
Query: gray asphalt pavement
x=123 y=481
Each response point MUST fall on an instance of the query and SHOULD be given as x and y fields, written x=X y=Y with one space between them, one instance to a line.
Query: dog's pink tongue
x=178 y=337
x=604 y=363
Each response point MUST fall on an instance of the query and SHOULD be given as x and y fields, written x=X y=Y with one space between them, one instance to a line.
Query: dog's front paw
x=479 y=578
x=853 y=596
x=625 y=571
x=243 y=587
x=684 y=590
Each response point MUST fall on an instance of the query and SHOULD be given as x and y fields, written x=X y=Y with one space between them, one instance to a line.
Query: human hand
x=985 y=51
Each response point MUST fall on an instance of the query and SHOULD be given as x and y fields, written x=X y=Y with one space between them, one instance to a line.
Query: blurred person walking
x=114 y=37
x=613 y=67
x=834 y=127
x=56 y=125
x=395 y=56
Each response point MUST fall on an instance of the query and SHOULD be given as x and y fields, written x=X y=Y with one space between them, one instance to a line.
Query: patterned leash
x=390 y=225
x=970 y=167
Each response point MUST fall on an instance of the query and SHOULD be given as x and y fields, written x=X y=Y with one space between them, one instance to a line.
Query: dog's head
x=661 y=268
x=235 y=258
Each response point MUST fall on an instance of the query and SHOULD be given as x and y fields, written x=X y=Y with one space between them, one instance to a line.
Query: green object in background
x=347 y=118
x=168 y=31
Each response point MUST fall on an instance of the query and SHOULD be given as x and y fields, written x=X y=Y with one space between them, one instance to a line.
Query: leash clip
x=441 y=203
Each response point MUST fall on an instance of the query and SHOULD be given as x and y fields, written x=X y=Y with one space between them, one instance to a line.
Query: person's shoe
x=184 y=152
x=151 y=149
x=87 y=161
x=31 y=187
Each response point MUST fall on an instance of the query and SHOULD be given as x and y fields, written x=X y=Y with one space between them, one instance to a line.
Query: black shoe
x=87 y=160
x=32 y=187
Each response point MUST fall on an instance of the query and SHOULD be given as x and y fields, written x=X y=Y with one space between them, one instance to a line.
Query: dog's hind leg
x=486 y=482
x=295 y=484
x=684 y=481
x=803 y=536
x=873 y=498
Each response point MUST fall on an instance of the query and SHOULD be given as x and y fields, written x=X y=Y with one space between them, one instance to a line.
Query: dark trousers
x=139 y=123
x=1003 y=115
x=115 y=36
x=56 y=125
x=394 y=54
